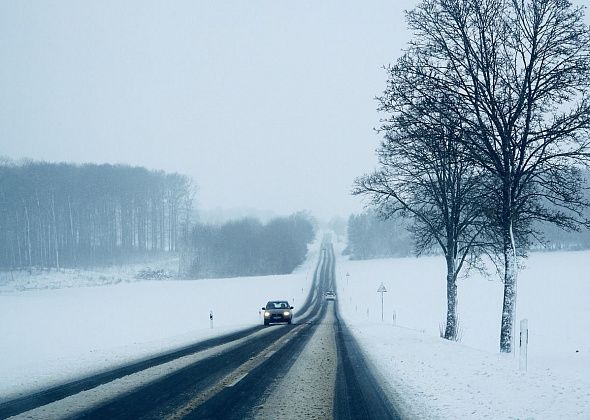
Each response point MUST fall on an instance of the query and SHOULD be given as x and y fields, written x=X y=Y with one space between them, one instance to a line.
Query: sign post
x=381 y=290
x=524 y=342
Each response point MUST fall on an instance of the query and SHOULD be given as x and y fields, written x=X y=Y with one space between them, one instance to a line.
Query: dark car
x=330 y=295
x=278 y=311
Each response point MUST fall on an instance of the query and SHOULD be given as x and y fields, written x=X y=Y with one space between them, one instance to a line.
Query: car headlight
x=267 y=314
x=286 y=313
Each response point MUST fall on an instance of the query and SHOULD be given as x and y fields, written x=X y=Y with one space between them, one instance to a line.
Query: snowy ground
x=11 y=281
x=471 y=379
x=52 y=331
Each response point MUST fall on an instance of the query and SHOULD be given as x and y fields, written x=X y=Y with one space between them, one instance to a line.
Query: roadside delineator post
x=211 y=319
x=393 y=317
x=524 y=342
x=381 y=290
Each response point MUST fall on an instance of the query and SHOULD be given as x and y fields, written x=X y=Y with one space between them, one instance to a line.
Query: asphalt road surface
x=312 y=369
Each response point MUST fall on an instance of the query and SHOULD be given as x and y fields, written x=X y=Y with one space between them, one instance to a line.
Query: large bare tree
x=518 y=73
x=424 y=175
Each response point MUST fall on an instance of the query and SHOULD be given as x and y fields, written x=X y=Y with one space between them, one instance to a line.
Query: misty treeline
x=247 y=247
x=486 y=134
x=67 y=215
x=369 y=236
x=553 y=238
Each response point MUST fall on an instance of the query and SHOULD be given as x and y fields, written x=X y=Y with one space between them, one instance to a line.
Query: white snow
x=54 y=333
x=66 y=277
x=471 y=379
x=50 y=335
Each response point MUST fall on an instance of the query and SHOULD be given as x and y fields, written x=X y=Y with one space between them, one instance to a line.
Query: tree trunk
x=510 y=281
x=55 y=241
x=17 y=234
x=451 y=327
x=72 y=236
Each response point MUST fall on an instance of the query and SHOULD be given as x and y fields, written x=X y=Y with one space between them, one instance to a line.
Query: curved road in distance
x=311 y=369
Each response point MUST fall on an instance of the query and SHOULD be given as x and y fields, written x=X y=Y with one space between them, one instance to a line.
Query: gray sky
x=266 y=104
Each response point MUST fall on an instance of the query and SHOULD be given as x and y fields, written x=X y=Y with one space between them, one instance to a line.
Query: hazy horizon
x=267 y=105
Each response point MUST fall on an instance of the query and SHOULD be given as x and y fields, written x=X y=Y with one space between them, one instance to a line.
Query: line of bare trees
x=487 y=122
x=369 y=236
x=66 y=215
x=246 y=247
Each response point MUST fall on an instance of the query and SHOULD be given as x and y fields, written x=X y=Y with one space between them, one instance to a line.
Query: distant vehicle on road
x=278 y=311
x=330 y=295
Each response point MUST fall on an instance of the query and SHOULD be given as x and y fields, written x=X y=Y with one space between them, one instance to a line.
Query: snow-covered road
x=52 y=335
x=307 y=390
x=312 y=369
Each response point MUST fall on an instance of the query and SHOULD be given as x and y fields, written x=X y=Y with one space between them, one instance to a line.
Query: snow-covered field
x=37 y=279
x=472 y=379
x=52 y=334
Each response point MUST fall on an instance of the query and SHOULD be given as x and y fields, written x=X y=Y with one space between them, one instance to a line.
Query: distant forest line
x=247 y=247
x=63 y=215
x=370 y=236
x=56 y=215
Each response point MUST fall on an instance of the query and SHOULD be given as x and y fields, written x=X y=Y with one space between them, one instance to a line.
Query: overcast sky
x=266 y=104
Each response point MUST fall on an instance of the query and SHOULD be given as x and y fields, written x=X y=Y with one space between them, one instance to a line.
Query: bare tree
x=518 y=73
x=424 y=176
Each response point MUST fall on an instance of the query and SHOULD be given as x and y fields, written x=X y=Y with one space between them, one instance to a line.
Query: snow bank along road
x=311 y=369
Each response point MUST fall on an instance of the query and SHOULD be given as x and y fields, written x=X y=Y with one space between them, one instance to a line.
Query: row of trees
x=554 y=238
x=372 y=237
x=486 y=128
x=246 y=247
x=66 y=215
x=369 y=235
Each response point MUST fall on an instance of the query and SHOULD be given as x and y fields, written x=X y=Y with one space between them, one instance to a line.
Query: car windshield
x=277 y=305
